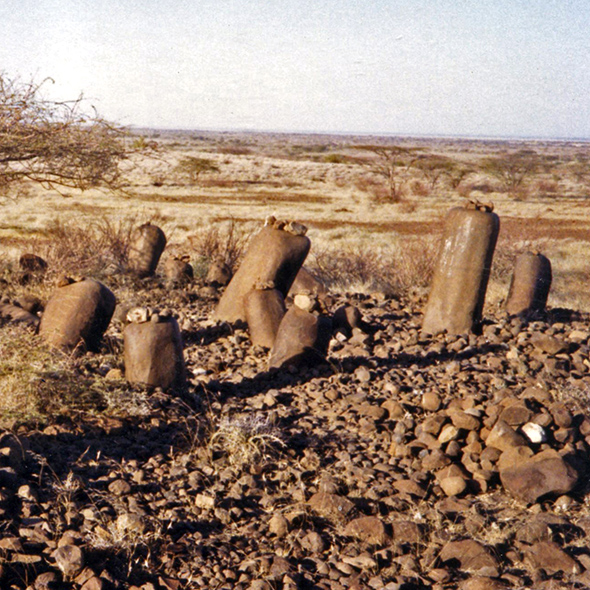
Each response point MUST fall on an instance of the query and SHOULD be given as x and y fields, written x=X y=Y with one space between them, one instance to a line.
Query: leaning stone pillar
x=265 y=308
x=275 y=256
x=77 y=314
x=458 y=289
x=302 y=339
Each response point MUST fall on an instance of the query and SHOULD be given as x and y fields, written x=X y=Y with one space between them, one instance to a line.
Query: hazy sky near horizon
x=450 y=67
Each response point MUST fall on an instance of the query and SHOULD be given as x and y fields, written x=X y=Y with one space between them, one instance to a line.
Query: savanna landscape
x=389 y=464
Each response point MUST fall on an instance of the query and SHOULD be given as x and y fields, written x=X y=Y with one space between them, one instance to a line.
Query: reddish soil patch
x=553 y=229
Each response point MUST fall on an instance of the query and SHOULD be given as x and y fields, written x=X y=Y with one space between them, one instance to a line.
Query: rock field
x=404 y=461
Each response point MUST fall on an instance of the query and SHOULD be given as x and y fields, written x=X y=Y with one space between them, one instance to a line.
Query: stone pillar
x=530 y=285
x=78 y=313
x=461 y=276
x=275 y=256
x=178 y=271
x=302 y=339
x=265 y=309
x=154 y=351
x=147 y=244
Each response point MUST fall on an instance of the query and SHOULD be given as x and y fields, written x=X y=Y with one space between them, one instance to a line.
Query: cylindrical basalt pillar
x=78 y=314
x=461 y=276
x=530 y=285
x=265 y=309
x=147 y=244
x=302 y=339
x=154 y=353
x=274 y=256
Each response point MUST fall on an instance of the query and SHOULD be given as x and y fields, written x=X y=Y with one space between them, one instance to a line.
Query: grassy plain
x=360 y=239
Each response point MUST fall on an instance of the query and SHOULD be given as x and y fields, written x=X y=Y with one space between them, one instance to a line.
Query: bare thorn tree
x=512 y=169
x=390 y=162
x=55 y=143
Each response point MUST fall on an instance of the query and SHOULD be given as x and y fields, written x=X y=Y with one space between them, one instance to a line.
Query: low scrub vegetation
x=400 y=271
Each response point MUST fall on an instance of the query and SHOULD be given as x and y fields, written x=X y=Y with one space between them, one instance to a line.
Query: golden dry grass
x=322 y=182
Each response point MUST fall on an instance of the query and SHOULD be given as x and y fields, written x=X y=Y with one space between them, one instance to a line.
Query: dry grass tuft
x=245 y=439
x=398 y=270
x=89 y=250
x=225 y=241
x=37 y=382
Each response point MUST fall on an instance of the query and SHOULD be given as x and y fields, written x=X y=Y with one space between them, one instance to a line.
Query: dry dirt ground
x=400 y=462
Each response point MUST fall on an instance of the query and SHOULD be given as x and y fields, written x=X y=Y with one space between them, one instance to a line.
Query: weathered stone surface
x=265 y=309
x=545 y=473
x=147 y=244
x=28 y=302
x=464 y=420
x=470 y=556
x=278 y=525
x=460 y=280
x=275 y=256
x=17 y=315
x=219 y=274
x=177 y=270
x=406 y=531
x=504 y=437
x=530 y=284
x=154 y=354
x=70 y=560
x=550 y=557
x=453 y=480
x=302 y=339
x=516 y=414
x=346 y=318
x=331 y=506
x=77 y=314
x=32 y=262
x=548 y=344
x=431 y=401
x=368 y=529
x=306 y=282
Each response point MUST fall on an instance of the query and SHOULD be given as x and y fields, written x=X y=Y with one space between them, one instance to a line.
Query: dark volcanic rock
x=470 y=556
x=543 y=474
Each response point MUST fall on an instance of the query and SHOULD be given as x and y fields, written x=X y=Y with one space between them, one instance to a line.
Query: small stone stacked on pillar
x=457 y=294
x=275 y=255
x=530 y=285
x=147 y=244
x=78 y=313
x=153 y=350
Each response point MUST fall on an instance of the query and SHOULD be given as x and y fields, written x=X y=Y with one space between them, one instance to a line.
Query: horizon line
x=367 y=134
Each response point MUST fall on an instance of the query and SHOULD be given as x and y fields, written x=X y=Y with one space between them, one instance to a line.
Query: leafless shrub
x=87 y=250
x=547 y=188
x=223 y=241
x=55 y=143
x=191 y=168
x=397 y=271
x=391 y=163
x=376 y=188
x=235 y=150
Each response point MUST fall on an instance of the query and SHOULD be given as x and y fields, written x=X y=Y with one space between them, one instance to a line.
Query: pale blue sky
x=454 y=67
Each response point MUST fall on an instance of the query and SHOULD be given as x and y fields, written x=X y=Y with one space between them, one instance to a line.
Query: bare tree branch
x=55 y=143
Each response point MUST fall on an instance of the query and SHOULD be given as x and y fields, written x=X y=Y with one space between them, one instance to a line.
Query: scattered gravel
x=404 y=461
